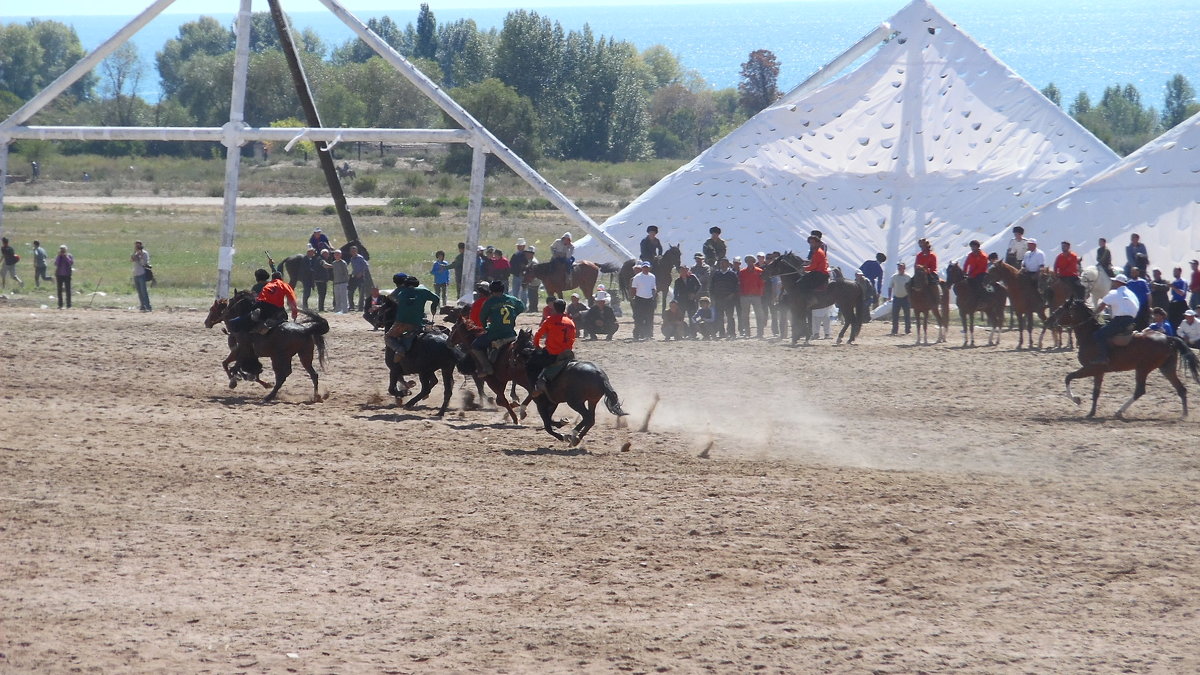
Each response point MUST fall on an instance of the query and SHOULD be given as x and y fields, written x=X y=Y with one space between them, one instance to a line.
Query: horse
x=1057 y=292
x=506 y=368
x=1096 y=283
x=991 y=303
x=926 y=297
x=553 y=276
x=581 y=385
x=1145 y=352
x=284 y=341
x=1025 y=298
x=248 y=368
x=662 y=266
x=295 y=266
x=431 y=352
x=845 y=294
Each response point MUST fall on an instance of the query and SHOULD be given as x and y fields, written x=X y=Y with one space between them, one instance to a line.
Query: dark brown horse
x=925 y=295
x=553 y=276
x=663 y=268
x=284 y=341
x=971 y=300
x=430 y=353
x=1056 y=292
x=249 y=368
x=581 y=385
x=845 y=294
x=294 y=265
x=1145 y=352
x=1025 y=298
x=507 y=368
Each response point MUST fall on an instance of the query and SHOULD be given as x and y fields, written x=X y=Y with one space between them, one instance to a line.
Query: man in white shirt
x=1125 y=306
x=1016 y=247
x=644 y=289
x=1034 y=259
x=1189 y=329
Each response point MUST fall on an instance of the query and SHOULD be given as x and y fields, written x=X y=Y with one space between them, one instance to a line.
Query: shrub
x=427 y=211
x=366 y=185
x=414 y=179
x=329 y=210
x=388 y=162
x=370 y=211
x=292 y=210
x=216 y=190
x=19 y=208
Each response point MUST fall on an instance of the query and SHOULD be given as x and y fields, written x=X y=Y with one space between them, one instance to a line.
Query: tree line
x=544 y=91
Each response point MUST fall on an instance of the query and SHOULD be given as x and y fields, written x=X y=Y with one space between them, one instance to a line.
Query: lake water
x=1082 y=45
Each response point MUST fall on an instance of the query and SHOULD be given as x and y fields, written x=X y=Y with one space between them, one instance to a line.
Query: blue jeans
x=1118 y=324
x=897 y=305
x=139 y=283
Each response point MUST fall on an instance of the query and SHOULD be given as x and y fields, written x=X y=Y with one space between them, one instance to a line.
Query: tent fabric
x=1154 y=192
x=931 y=136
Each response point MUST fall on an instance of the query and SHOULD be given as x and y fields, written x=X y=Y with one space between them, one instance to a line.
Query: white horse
x=1096 y=283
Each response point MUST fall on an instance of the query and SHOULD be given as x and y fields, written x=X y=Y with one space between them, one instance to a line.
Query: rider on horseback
x=651 y=247
x=562 y=253
x=816 y=273
x=1125 y=306
x=499 y=313
x=269 y=310
x=410 y=302
x=928 y=259
x=559 y=331
x=1068 y=267
x=975 y=268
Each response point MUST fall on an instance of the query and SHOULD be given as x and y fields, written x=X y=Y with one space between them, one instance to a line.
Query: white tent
x=931 y=137
x=1154 y=192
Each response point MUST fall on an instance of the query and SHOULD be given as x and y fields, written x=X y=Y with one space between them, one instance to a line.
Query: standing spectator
x=518 y=263
x=687 y=290
x=39 y=264
x=724 y=292
x=533 y=287
x=821 y=320
x=8 y=266
x=501 y=269
x=651 y=247
x=306 y=273
x=483 y=268
x=1104 y=258
x=1177 y=302
x=441 y=275
x=1068 y=266
x=674 y=323
x=318 y=240
x=1017 y=247
x=341 y=282
x=873 y=272
x=457 y=266
x=702 y=271
x=64 y=264
x=141 y=262
x=1194 y=285
x=1136 y=255
x=704 y=321
x=322 y=267
x=898 y=295
x=780 y=312
x=714 y=247
x=360 y=278
x=644 y=290
x=600 y=319
x=1141 y=290
x=1160 y=290
x=750 y=291
x=36 y=169
x=1189 y=329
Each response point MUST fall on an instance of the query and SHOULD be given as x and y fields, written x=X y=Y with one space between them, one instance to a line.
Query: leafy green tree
x=264 y=37
x=507 y=114
x=464 y=54
x=205 y=36
x=20 y=61
x=663 y=65
x=529 y=56
x=394 y=102
x=1082 y=105
x=1051 y=92
x=426 y=46
x=759 y=86
x=121 y=74
x=1119 y=120
x=355 y=50
x=306 y=148
x=61 y=49
x=1180 y=102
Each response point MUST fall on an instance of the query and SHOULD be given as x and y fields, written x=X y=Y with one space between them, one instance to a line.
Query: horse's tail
x=609 y=268
x=316 y=327
x=611 y=400
x=1190 y=360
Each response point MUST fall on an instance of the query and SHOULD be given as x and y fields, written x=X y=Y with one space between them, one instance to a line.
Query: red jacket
x=750 y=281
x=276 y=292
x=975 y=265
x=928 y=260
x=819 y=262
x=559 y=331
x=476 y=307
x=1067 y=264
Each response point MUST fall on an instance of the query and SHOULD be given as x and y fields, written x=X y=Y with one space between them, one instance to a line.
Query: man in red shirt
x=750 y=289
x=269 y=310
x=482 y=293
x=975 y=267
x=928 y=259
x=816 y=273
x=1067 y=266
x=559 y=331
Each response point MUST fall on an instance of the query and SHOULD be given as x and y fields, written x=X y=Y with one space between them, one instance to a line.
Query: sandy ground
x=880 y=508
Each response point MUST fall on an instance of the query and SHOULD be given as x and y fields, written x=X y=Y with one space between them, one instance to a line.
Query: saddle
x=1123 y=338
x=497 y=346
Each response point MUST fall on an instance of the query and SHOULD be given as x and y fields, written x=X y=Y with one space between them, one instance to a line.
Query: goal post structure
x=235 y=133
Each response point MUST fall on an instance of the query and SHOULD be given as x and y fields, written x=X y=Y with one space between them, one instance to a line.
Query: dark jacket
x=723 y=284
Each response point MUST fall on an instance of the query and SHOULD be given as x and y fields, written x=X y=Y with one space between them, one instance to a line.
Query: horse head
x=1072 y=313
x=524 y=344
x=954 y=273
x=216 y=313
x=672 y=256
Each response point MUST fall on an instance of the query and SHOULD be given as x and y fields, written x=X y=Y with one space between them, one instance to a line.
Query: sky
x=134 y=7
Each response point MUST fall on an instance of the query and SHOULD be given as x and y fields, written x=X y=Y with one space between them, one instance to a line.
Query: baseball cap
x=1121 y=278
x=1190 y=312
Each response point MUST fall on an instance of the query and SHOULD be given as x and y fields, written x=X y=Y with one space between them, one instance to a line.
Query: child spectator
x=441 y=276
x=675 y=322
x=704 y=321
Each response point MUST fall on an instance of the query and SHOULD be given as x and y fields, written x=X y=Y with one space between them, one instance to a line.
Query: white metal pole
x=451 y=108
x=474 y=215
x=3 y=179
x=233 y=149
x=829 y=70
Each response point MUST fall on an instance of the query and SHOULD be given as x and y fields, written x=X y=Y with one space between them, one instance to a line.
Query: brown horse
x=248 y=368
x=663 y=267
x=553 y=276
x=1025 y=298
x=506 y=369
x=1145 y=352
x=925 y=296
x=581 y=385
x=1057 y=292
x=970 y=301
x=845 y=294
x=280 y=344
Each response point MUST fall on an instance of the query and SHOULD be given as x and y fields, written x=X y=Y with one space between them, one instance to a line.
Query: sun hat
x=1190 y=312
x=521 y=241
x=1120 y=278
x=601 y=296
x=1031 y=240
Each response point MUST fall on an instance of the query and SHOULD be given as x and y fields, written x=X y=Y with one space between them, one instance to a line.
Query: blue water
x=1080 y=46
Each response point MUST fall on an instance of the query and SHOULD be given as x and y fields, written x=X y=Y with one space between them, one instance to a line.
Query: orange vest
x=819 y=262
x=559 y=331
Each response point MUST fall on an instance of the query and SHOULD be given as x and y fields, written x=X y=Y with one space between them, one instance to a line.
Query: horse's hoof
x=232 y=383
x=1077 y=400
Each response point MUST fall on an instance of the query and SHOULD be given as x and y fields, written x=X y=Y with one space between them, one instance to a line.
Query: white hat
x=737 y=258
x=575 y=295
x=478 y=248
x=1121 y=278
x=1190 y=312
x=1031 y=240
x=316 y=229
x=521 y=241
x=601 y=287
x=601 y=296
x=566 y=235
x=644 y=264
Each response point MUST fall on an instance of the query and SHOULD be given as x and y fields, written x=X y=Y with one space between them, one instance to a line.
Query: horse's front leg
x=546 y=410
x=448 y=386
x=503 y=402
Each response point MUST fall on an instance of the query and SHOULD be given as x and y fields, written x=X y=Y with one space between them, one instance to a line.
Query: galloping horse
x=431 y=351
x=1025 y=298
x=581 y=385
x=663 y=267
x=286 y=340
x=926 y=297
x=247 y=368
x=553 y=276
x=845 y=294
x=1145 y=352
x=506 y=368
x=971 y=301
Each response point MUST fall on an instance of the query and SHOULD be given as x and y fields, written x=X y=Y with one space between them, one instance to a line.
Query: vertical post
x=474 y=214
x=233 y=149
x=3 y=178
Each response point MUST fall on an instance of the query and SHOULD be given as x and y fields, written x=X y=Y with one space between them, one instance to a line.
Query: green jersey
x=410 y=304
x=499 y=315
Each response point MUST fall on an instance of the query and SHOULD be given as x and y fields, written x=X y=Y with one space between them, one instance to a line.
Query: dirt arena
x=880 y=508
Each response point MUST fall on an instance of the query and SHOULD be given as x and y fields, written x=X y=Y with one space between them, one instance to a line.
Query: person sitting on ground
x=600 y=319
x=410 y=316
x=269 y=311
x=1159 y=324
x=674 y=322
x=1189 y=329
x=576 y=309
x=1125 y=306
x=499 y=314
x=559 y=331
x=704 y=320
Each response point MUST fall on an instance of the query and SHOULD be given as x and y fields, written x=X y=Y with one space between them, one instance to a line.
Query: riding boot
x=481 y=360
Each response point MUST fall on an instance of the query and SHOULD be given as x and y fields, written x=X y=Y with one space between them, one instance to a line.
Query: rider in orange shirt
x=559 y=331
x=975 y=267
x=269 y=310
x=816 y=273
x=1067 y=266
x=928 y=259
